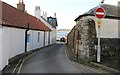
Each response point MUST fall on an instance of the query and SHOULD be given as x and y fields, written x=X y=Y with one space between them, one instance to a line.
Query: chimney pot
x=55 y=15
x=21 y=6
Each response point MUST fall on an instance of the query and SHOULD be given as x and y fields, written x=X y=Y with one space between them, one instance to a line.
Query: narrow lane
x=52 y=60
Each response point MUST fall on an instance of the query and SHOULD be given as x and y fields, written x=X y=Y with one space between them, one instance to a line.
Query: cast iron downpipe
x=26 y=31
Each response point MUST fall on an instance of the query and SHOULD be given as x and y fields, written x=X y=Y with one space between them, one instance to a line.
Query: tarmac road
x=53 y=59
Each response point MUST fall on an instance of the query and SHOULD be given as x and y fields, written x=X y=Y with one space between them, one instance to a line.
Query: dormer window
x=50 y=20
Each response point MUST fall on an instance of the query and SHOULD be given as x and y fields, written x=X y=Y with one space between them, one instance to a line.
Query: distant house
x=108 y=23
x=20 y=32
x=52 y=25
x=53 y=20
x=62 y=33
x=83 y=37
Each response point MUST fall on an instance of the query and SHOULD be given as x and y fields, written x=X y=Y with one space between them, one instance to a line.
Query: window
x=50 y=20
x=28 y=38
x=38 y=37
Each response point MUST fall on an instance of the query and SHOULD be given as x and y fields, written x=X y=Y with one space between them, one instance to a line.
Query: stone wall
x=83 y=41
x=109 y=47
x=82 y=38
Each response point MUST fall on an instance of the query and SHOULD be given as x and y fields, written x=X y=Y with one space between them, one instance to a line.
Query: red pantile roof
x=15 y=18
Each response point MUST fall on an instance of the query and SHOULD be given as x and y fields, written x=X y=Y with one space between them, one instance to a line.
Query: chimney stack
x=37 y=12
x=20 y=1
x=45 y=15
x=119 y=4
x=21 y=6
x=54 y=15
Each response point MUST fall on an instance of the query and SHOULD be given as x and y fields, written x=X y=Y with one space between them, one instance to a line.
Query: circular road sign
x=100 y=13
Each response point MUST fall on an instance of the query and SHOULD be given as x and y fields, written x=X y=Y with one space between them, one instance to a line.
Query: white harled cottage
x=21 y=32
x=46 y=21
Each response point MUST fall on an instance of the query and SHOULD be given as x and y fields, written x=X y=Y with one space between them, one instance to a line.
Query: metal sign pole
x=99 y=49
x=99 y=13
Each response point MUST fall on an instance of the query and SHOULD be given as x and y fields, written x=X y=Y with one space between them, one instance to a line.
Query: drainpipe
x=26 y=38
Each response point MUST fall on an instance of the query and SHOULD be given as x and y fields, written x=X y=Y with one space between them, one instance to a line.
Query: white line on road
x=25 y=60
x=22 y=60
x=16 y=67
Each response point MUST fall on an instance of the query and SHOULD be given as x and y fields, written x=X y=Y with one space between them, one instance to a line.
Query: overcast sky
x=66 y=10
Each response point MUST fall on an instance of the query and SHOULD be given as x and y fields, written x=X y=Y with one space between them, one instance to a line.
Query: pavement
x=0 y=72
x=110 y=66
x=112 y=63
x=53 y=59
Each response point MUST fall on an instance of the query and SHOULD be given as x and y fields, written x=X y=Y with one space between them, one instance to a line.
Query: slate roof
x=48 y=22
x=12 y=17
x=111 y=11
x=53 y=21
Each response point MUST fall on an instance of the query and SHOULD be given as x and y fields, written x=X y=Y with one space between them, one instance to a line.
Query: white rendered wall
x=51 y=41
x=1 y=36
x=33 y=44
x=46 y=38
x=1 y=49
x=51 y=38
x=42 y=39
x=35 y=39
x=109 y=27
x=13 y=43
x=54 y=36
x=53 y=32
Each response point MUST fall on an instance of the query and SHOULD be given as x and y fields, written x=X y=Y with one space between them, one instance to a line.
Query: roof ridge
x=17 y=18
x=110 y=5
x=48 y=22
x=109 y=14
x=18 y=10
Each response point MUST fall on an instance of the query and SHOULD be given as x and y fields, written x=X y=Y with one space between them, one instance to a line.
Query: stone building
x=79 y=39
x=83 y=37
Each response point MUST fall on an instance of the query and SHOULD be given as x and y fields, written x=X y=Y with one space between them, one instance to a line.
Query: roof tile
x=13 y=17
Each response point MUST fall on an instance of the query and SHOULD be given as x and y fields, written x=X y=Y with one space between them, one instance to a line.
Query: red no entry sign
x=100 y=13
